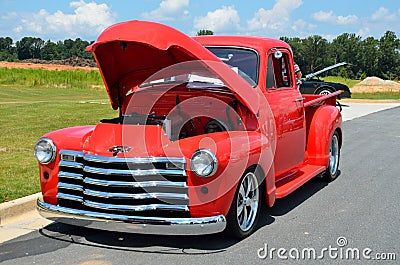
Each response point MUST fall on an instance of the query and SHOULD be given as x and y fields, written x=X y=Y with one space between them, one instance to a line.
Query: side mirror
x=278 y=55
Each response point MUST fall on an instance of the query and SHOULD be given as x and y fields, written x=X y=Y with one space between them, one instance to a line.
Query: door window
x=279 y=71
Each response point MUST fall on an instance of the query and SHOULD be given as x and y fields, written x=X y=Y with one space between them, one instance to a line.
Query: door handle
x=299 y=99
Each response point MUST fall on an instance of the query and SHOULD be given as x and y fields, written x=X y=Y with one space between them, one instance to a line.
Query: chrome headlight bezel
x=45 y=151
x=204 y=163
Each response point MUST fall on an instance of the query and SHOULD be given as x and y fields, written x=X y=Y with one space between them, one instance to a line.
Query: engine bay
x=185 y=112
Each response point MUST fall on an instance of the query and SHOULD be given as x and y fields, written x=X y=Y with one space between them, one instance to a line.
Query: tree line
x=365 y=57
x=36 y=48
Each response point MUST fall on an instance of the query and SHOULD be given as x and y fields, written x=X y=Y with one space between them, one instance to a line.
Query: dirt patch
x=375 y=84
x=38 y=64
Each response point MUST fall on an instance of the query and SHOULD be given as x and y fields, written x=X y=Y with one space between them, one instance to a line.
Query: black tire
x=324 y=91
x=245 y=210
x=332 y=172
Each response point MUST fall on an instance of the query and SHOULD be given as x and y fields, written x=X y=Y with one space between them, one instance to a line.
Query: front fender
x=71 y=138
x=322 y=122
x=236 y=152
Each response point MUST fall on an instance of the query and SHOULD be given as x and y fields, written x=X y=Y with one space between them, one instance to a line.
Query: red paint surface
x=288 y=141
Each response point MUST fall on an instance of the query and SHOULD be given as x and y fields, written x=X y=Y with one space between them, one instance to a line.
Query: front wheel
x=332 y=171
x=245 y=209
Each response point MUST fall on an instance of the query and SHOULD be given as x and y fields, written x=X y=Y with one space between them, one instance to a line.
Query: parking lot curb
x=17 y=208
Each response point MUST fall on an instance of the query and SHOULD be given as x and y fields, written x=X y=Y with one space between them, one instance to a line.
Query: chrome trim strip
x=137 y=196
x=139 y=160
x=134 y=172
x=67 y=186
x=70 y=164
x=64 y=196
x=72 y=153
x=70 y=175
x=136 y=208
x=143 y=184
x=133 y=224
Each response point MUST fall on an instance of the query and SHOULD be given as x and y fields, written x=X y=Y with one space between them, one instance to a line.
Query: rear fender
x=322 y=122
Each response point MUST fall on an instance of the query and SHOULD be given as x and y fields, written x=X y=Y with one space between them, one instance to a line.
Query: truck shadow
x=288 y=203
x=189 y=245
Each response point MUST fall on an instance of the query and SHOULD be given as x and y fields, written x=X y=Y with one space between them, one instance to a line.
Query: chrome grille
x=154 y=186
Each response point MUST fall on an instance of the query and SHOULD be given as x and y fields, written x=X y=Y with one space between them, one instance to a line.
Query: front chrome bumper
x=132 y=224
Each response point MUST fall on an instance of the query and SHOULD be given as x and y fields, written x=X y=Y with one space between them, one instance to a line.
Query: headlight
x=204 y=163
x=45 y=151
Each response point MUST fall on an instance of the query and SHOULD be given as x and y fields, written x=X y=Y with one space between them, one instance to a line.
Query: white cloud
x=276 y=19
x=383 y=14
x=273 y=22
x=376 y=24
x=330 y=17
x=380 y=13
x=225 y=19
x=379 y=22
x=87 y=19
x=323 y=16
x=302 y=28
x=18 y=29
x=169 y=10
x=347 y=20
x=10 y=16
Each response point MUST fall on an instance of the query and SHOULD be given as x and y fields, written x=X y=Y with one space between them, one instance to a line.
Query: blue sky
x=85 y=19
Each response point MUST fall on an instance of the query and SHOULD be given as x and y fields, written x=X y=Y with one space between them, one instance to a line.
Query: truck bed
x=316 y=100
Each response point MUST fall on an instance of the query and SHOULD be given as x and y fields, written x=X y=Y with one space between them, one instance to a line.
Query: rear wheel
x=332 y=171
x=245 y=209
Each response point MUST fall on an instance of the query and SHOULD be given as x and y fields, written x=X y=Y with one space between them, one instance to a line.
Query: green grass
x=34 y=102
x=77 y=79
x=29 y=111
x=377 y=95
x=338 y=79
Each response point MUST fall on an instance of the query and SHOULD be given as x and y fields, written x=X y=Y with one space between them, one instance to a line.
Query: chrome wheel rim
x=325 y=92
x=247 y=201
x=334 y=155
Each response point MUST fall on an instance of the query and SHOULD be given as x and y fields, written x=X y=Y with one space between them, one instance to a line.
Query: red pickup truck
x=209 y=130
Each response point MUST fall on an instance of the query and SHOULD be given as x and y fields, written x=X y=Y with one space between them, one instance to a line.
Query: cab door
x=286 y=103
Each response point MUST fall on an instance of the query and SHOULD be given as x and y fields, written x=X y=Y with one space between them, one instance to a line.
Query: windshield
x=244 y=60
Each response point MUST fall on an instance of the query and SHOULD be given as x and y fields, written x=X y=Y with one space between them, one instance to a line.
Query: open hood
x=130 y=52
x=325 y=69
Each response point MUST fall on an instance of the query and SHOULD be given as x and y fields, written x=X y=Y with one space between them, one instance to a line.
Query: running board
x=289 y=184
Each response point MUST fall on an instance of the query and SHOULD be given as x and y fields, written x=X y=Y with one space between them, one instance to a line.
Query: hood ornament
x=119 y=149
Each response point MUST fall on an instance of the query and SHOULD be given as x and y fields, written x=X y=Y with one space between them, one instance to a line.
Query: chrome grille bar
x=71 y=153
x=67 y=186
x=69 y=197
x=140 y=160
x=135 y=172
x=137 y=196
x=136 y=208
x=108 y=184
x=69 y=175
x=142 y=184
x=70 y=164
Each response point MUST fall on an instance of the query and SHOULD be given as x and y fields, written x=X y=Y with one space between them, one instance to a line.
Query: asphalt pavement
x=357 y=213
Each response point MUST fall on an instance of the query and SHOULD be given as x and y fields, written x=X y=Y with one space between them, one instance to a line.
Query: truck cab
x=208 y=129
